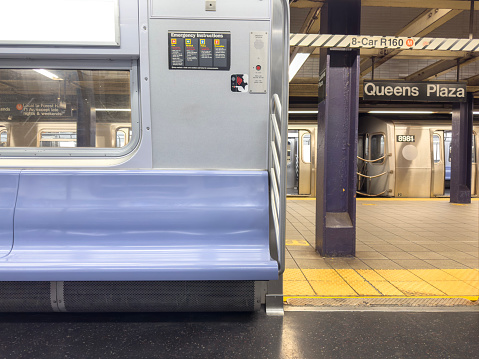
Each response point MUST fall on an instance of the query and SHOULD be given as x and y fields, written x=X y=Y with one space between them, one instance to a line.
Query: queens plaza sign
x=415 y=91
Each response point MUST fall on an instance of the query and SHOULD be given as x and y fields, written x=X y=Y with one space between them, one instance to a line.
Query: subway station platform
x=406 y=249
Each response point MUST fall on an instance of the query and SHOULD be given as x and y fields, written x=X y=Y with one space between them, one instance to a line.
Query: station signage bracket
x=384 y=42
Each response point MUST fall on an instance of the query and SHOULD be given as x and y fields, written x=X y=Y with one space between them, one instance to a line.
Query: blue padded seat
x=140 y=225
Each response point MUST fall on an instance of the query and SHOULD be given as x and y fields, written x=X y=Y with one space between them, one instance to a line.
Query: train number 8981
x=406 y=138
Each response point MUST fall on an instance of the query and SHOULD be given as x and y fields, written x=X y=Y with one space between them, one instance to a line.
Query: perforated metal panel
x=202 y=296
x=25 y=297
x=194 y=296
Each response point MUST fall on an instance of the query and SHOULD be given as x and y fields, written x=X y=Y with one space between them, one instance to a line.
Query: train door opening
x=439 y=173
x=441 y=170
x=299 y=164
x=475 y=169
x=292 y=164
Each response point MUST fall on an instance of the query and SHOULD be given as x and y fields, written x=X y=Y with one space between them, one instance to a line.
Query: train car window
x=436 y=148
x=306 y=148
x=87 y=105
x=377 y=148
x=473 y=148
x=361 y=146
x=123 y=136
x=366 y=147
x=3 y=138
x=58 y=139
x=288 y=152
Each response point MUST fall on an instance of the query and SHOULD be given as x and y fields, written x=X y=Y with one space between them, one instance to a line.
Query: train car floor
x=406 y=249
x=297 y=335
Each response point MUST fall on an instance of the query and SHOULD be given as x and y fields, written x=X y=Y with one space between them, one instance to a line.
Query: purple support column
x=461 y=151
x=337 y=134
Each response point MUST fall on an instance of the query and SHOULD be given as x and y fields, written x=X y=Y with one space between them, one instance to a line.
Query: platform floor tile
x=297 y=288
x=364 y=288
x=455 y=288
x=417 y=288
x=400 y=275
x=404 y=248
x=328 y=275
x=293 y=274
x=386 y=288
x=333 y=288
x=463 y=274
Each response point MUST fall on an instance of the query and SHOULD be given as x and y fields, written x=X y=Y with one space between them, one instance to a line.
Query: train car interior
x=112 y=198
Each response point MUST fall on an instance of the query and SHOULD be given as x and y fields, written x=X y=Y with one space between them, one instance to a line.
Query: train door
x=304 y=162
x=438 y=167
x=474 y=171
x=292 y=164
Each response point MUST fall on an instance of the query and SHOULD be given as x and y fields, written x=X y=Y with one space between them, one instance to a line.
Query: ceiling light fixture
x=114 y=109
x=401 y=112
x=48 y=74
x=303 y=111
x=298 y=61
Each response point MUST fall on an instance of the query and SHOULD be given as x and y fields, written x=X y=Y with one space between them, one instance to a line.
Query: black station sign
x=415 y=91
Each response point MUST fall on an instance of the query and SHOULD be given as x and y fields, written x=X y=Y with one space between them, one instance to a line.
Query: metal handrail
x=371 y=161
x=275 y=178
x=379 y=175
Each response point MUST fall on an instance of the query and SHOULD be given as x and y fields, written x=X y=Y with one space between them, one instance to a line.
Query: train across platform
x=415 y=252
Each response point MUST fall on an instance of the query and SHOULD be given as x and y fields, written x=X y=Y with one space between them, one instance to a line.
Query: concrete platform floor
x=405 y=248
x=297 y=335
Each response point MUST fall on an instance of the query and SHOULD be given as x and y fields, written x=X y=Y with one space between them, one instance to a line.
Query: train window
x=3 y=137
x=123 y=136
x=361 y=146
x=366 y=147
x=66 y=108
x=306 y=153
x=473 y=148
x=377 y=148
x=436 y=148
x=59 y=139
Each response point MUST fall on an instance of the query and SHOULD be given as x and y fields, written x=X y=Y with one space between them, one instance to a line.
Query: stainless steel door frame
x=304 y=175
x=438 y=168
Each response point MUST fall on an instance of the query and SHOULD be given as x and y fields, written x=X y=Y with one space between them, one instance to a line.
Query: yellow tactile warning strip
x=381 y=283
x=297 y=242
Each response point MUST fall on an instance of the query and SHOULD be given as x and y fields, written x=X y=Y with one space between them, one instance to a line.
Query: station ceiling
x=432 y=18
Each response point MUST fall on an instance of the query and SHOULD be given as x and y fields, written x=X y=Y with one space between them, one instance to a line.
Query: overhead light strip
x=298 y=61
x=401 y=112
x=113 y=109
x=48 y=74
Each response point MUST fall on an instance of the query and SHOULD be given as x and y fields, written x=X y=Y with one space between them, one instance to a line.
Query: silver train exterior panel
x=396 y=158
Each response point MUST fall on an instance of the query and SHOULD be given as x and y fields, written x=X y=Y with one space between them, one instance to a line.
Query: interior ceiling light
x=298 y=61
x=48 y=74
x=114 y=109
x=402 y=112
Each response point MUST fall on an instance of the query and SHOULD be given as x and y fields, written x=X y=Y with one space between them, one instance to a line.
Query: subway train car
x=408 y=158
x=143 y=155
x=396 y=158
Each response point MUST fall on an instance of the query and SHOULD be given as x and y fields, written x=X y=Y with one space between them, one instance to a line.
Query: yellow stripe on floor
x=297 y=242
x=381 y=282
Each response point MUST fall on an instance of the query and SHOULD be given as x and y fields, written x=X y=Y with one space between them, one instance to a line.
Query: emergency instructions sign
x=189 y=50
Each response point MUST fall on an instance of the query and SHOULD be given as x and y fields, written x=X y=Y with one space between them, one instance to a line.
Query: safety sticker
x=239 y=83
